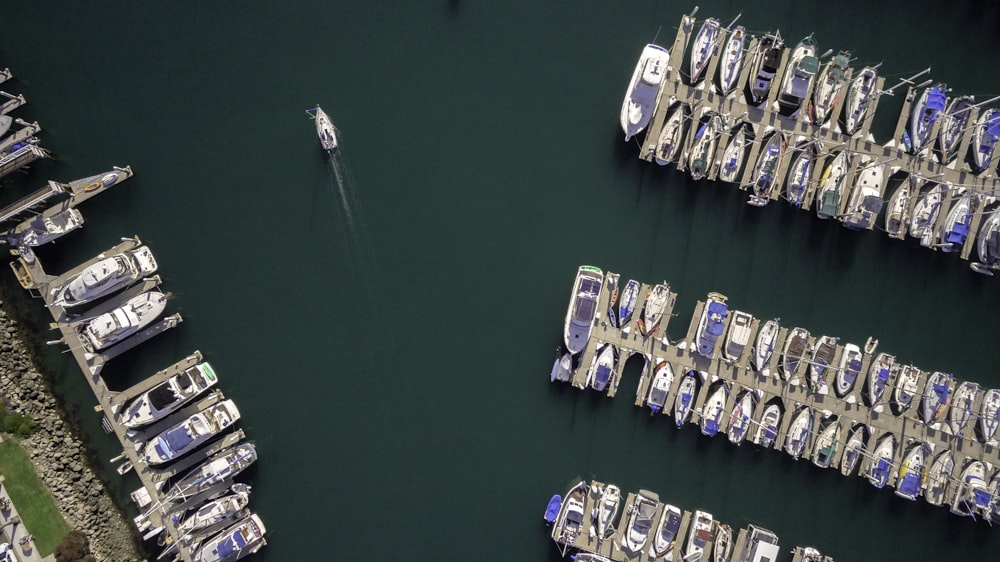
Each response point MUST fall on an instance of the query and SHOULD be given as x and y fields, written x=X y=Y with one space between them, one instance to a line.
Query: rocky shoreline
x=58 y=454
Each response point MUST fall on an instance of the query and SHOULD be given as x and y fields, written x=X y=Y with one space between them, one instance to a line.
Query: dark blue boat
x=552 y=510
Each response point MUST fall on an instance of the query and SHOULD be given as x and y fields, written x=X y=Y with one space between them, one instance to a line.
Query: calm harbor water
x=386 y=321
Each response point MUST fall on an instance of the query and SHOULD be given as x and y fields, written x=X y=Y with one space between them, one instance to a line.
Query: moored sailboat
x=853 y=449
x=763 y=348
x=663 y=377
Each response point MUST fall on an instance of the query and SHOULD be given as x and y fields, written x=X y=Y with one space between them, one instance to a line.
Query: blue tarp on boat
x=711 y=427
x=910 y=485
x=936 y=99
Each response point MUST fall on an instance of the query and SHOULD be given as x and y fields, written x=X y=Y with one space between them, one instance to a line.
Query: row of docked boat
x=594 y=522
x=20 y=147
x=772 y=158
x=756 y=400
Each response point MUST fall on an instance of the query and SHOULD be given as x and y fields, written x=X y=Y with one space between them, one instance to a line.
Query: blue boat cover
x=993 y=126
x=229 y=547
x=603 y=374
x=883 y=374
x=716 y=307
x=910 y=485
x=176 y=439
x=771 y=432
x=589 y=285
x=936 y=99
x=983 y=498
x=552 y=510
x=711 y=427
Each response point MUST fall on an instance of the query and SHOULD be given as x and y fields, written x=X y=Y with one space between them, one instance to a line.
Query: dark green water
x=388 y=338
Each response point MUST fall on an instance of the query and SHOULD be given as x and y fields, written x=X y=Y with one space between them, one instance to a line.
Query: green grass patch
x=34 y=503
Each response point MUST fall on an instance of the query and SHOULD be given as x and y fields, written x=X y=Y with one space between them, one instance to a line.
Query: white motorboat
x=984 y=140
x=608 y=499
x=685 y=396
x=939 y=478
x=242 y=539
x=112 y=327
x=765 y=67
x=799 y=172
x=829 y=88
x=227 y=507
x=866 y=200
x=640 y=521
x=767 y=427
x=665 y=538
x=732 y=156
x=799 y=432
x=799 y=76
x=989 y=414
x=911 y=472
x=189 y=434
x=878 y=376
x=831 y=186
x=663 y=377
x=737 y=336
x=973 y=495
x=603 y=367
x=325 y=130
x=218 y=468
x=953 y=123
x=105 y=277
x=168 y=396
x=853 y=449
x=958 y=223
x=859 y=97
x=796 y=346
x=640 y=97
x=712 y=411
x=699 y=535
x=582 y=308
x=925 y=112
x=907 y=386
x=925 y=213
x=880 y=463
x=961 y=407
x=850 y=368
x=671 y=139
x=711 y=325
x=702 y=153
x=822 y=357
x=732 y=60
x=826 y=444
x=741 y=418
x=44 y=228
x=767 y=335
x=702 y=49
x=936 y=397
x=653 y=309
x=569 y=523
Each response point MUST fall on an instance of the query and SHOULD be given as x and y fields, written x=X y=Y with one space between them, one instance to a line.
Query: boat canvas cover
x=809 y=65
x=715 y=326
x=958 y=234
x=983 y=498
x=603 y=374
x=229 y=547
x=936 y=100
x=910 y=485
x=552 y=509
x=175 y=439
x=712 y=427
x=883 y=375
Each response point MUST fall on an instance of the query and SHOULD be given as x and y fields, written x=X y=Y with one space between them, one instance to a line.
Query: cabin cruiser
x=911 y=472
x=878 y=376
x=699 y=535
x=671 y=139
x=324 y=129
x=936 y=396
x=764 y=346
x=822 y=356
x=703 y=48
x=582 y=308
x=732 y=60
x=829 y=88
x=602 y=367
x=168 y=396
x=653 y=309
x=925 y=214
x=799 y=76
x=853 y=449
x=984 y=139
x=43 y=229
x=663 y=377
x=703 y=150
x=938 y=478
x=640 y=521
x=957 y=223
x=640 y=98
x=953 y=124
x=711 y=414
x=626 y=307
x=765 y=67
x=988 y=245
x=850 y=368
x=973 y=494
x=105 y=277
x=741 y=418
x=767 y=428
x=961 y=407
x=242 y=539
x=799 y=432
x=907 y=386
x=897 y=215
x=859 y=97
x=766 y=173
x=866 y=198
x=826 y=444
x=711 y=325
x=685 y=397
x=989 y=414
x=608 y=498
x=880 y=463
x=925 y=113
x=796 y=345
x=221 y=509
x=569 y=522
x=732 y=157
x=189 y=434
x=831 y=186
x=799 y=172
x=737 y=336
x=216 y=469
x=112 y=327
x=665 y=538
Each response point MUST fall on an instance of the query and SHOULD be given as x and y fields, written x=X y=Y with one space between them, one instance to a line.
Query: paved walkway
x=13 y=531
